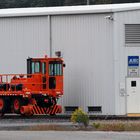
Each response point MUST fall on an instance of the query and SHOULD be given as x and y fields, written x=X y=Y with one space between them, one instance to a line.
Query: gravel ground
x=42 y=122
x=48 y=123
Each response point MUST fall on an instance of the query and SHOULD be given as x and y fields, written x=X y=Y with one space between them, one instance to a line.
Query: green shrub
x=80 y=117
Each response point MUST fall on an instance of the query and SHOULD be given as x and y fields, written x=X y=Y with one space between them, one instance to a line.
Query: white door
x=133 y=95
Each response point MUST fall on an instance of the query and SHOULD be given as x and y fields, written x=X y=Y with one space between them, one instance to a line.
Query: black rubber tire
x=3 y=105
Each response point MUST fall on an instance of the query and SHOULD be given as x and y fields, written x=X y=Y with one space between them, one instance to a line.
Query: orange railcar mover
x=36 y=92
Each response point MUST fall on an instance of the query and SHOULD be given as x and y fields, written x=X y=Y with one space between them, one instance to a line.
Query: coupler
x=26 y=110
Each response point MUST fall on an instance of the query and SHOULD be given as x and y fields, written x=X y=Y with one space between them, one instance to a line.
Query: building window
x=133 y=84
x=70 y=108
x=132 y=35
x=94 y=109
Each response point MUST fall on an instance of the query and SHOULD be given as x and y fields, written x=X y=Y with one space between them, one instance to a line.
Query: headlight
x=27 y=93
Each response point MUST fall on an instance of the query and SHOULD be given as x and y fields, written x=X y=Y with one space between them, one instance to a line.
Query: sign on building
x=133 y=66
x=133 y=61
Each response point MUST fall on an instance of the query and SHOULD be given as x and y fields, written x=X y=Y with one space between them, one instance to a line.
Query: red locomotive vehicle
x=37 y=91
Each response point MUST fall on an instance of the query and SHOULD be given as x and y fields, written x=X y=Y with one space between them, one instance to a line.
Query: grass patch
x=47 y=128
x=121 y=126
x=102 y=125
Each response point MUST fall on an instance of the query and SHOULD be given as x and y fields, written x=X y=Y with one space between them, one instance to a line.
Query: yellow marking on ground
x=133 y=115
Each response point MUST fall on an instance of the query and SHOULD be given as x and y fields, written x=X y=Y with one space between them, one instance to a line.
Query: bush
x=80 y=117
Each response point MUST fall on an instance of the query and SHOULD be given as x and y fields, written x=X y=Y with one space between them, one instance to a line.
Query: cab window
x=55 y=68
x=35 y=67
x=43 y=68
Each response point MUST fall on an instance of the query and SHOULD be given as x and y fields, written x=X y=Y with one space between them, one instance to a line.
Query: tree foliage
x=46 y=3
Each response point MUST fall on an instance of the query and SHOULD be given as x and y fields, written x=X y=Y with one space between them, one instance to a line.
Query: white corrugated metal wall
x=21 y=37
x=86 y=42
x=121 y=54
x=93 y=48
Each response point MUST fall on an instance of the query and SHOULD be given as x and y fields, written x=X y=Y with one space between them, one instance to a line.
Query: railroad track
x=15 y=116
x=66 y=117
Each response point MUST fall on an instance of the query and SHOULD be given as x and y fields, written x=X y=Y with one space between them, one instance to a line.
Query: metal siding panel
x=86 y=42
x=121 y=54
x=20 y=38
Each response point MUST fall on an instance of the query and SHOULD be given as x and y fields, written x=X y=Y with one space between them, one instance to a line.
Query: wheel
x=17 y=103
x=2 y=106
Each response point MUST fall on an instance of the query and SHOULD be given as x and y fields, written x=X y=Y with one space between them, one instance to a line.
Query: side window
x=51 y=70
x=33 y=67
x=43 y=68
x=133 y=84
x=37 y=67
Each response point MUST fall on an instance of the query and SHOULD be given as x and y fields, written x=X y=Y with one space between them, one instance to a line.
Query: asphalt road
x=67 y=135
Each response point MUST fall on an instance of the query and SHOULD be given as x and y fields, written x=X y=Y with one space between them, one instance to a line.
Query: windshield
x=55 y=68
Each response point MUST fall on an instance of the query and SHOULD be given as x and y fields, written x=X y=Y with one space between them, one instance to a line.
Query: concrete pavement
x=68 y=135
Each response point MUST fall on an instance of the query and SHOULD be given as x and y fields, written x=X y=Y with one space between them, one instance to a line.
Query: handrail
x=9 y=83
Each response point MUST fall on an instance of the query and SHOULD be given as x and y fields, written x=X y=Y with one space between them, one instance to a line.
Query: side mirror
x=64 y=65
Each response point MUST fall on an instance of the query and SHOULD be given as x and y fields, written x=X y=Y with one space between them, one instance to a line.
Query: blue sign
x=133 y=61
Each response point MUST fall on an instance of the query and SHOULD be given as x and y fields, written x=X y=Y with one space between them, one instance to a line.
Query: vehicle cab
x=49 y=72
